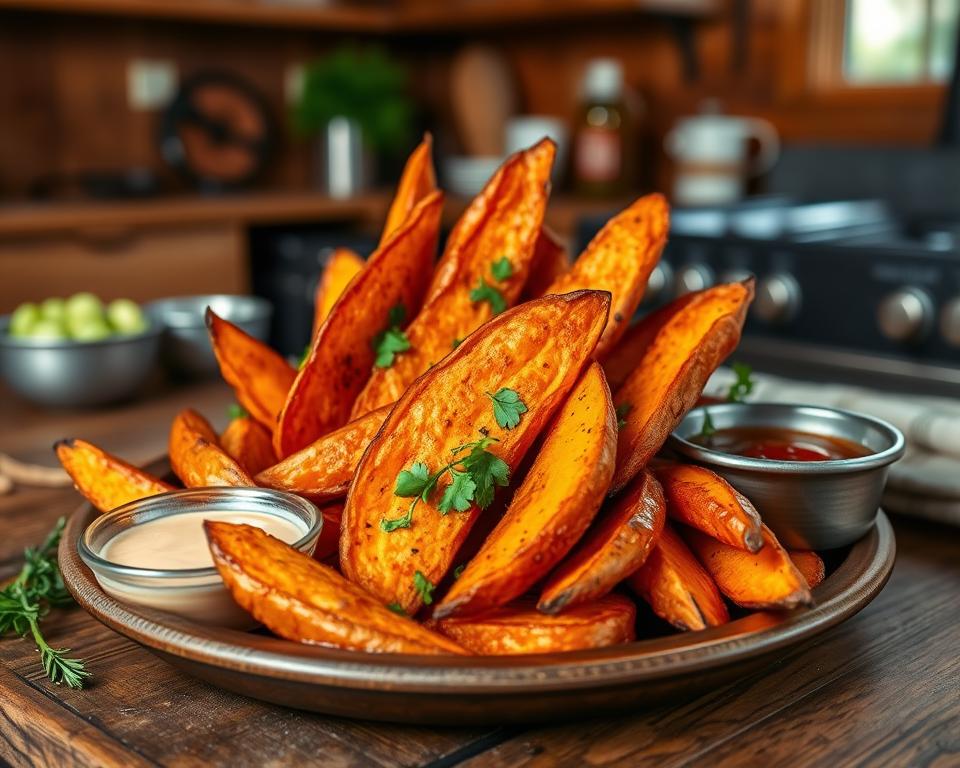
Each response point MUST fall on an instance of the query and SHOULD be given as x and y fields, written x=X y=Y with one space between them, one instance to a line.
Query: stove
x=846 y=290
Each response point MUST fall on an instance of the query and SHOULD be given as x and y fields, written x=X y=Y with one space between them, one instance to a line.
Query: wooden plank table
x=881 y=689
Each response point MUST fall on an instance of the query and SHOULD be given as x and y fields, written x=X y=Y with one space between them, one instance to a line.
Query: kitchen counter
x=880 y=689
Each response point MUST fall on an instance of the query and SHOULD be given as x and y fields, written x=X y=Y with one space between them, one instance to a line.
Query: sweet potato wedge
x=522 y=629
x=342 y=353
x=551 y=509
x=810 y=564
x=196 y=456
x=767 y=579
x=550 y=260
x=342 y=266
x=537 y=351
x=626 y=355
x=417 y=181
x=674 y=370
x=249 y=444
x=502 y=223
x=618 y=543
x=104 y=480
x=323 y=470
x=260 y=377
x=302 y=600
x=620 y=259
x=329 y=539
x=702 y=499
x=677 y=587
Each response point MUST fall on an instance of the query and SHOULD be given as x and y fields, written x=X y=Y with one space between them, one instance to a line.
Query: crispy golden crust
x=104 y=480
x=339 y=272
x=810 y=564
x=249 y=444
x=767 y=579
x=677 y=587
x=302 y=600
x=538 y=350
x=674 y=370
x=522 y=629
x=417 y=181
x=559 y=497
x=617 y=544
x=342 y=354
x=196 y=456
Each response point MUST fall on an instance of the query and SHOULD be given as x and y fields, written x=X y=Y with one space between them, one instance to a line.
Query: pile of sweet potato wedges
x=481 y=434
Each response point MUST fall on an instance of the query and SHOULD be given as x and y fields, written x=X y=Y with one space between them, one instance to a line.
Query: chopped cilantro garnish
x=423 y=587
x=622 y=410
x=391 y=340
x=507 y=407
x=501 y=269
x=236 y=411
x=397 y=608
x=458 y=570
x=743 y=386
x=486 y=292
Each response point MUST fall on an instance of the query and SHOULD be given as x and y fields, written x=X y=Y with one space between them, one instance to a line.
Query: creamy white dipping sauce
x=176 y=542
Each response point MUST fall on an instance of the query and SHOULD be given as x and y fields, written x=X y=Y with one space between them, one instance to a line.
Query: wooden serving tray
x=484 y=690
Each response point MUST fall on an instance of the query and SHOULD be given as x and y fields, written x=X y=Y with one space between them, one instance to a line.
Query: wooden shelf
x=250 y=208
x=435 y=17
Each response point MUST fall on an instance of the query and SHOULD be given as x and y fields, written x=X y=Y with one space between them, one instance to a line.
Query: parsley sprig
x=507 y=407
x=236 y=411
x=500 y=270
x=30 y=596
x=424 y=587
x=391 y=340
x=474 y=475
x=743 y=386
x=622 y=411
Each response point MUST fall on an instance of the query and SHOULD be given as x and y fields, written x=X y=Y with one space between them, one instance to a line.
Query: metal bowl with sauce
x=824 y=503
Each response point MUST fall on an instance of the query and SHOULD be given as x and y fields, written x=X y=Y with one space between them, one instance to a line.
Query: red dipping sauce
x=780 y=444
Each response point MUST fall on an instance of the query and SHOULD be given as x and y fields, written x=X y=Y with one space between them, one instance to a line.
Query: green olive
x=23 y=319
x=82 y=306
x=126 y=317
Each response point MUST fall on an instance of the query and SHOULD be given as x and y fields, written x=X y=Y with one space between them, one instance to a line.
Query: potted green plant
x=355 y=102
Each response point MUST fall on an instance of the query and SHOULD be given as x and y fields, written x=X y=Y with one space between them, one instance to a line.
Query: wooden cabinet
x=138 y=262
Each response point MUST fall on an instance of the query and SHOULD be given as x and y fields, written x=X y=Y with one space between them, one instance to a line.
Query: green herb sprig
x=391 y=340
x=744 y=384
x=507 y=407
x=486 y=292
x=622 y=411
x=707 y=429
x=236 y=411
x=474 y=475
x=424 y=587
x=30 y=596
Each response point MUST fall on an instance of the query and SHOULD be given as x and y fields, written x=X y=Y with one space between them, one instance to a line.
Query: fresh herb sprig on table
x=30 y=596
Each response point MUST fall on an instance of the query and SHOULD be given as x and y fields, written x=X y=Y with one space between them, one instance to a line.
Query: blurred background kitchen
x=155 y=149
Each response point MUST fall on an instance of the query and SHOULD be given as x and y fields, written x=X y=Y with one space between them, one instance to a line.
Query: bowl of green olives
x=78 y=351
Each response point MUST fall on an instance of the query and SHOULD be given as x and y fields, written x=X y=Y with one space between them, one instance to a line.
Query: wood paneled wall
x=63 y=83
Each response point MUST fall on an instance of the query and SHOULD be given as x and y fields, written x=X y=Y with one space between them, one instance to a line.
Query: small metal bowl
x=185 y=347
x=807 y=504
x=197 y=594
x=73 y=374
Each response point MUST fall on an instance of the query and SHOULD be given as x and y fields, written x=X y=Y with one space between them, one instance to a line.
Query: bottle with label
x=600 y=149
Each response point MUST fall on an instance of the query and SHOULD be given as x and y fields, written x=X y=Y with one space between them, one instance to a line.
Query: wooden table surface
x=881 y=689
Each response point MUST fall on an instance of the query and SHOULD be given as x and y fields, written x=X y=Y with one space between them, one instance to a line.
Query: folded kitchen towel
x=926 y=482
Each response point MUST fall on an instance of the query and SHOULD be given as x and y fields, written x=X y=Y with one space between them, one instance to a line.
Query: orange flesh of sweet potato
x=551 y=509
x=620 y=259
x=341 y=268
x=767 y=579
x=810 y=564
x=417 y=181
x=674 y=370
x=504 y=221
x=618 y=543
x=538 y=350
x=300 y=599
x=626 y=355
x=323 y=470
x=342 y=355
x=702 y=499
x=550 y=260
x=677 y=587
x=259 y=376
x=197 y=458
x=522 y=629
x=249 y=444
x=104 y=480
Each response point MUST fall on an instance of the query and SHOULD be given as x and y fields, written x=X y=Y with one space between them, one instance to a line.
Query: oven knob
x=905 y=315
x=777 y=300
x=692 y=277
x=950 y=322
x=658 y=282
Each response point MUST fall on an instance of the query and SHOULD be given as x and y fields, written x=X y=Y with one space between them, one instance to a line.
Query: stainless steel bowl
x=78 y=374
x=808 y=504
x=185 y=347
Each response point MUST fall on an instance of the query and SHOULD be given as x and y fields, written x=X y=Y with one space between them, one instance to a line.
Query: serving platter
x=488 y=690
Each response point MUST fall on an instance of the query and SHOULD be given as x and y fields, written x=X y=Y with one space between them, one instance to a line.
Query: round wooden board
x=487 y=690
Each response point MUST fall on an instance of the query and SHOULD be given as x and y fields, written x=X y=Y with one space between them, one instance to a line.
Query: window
x=899 y=41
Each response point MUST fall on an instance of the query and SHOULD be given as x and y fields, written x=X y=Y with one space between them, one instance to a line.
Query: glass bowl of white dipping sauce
x=153 y=552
